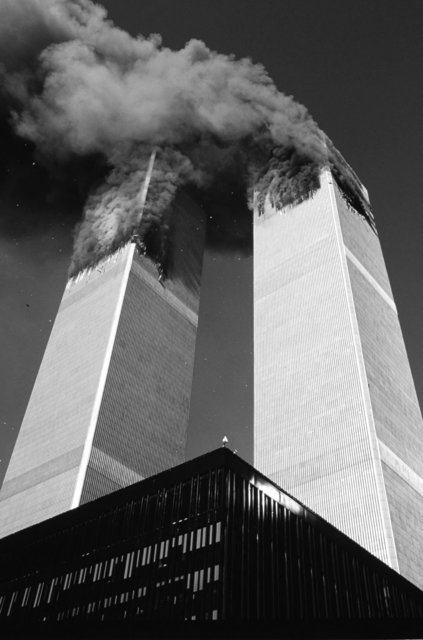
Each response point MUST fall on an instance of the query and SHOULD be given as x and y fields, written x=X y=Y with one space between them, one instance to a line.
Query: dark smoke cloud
x=78 y=86
x=113 y=210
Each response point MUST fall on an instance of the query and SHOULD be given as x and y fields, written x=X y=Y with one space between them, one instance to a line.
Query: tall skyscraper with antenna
x=110 y=404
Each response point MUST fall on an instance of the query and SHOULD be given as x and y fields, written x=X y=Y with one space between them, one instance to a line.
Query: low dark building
x=209 y=540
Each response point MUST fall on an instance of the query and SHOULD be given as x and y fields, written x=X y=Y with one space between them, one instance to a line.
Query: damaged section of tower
x=337 y=421
x=111 y=401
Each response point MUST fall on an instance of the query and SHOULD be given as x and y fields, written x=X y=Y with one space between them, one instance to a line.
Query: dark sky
x=357 y=66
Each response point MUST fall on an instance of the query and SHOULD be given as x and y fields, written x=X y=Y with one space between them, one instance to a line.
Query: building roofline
x=217 y=458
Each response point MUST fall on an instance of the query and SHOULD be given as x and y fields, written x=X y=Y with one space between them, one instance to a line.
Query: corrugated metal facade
x=212 y=539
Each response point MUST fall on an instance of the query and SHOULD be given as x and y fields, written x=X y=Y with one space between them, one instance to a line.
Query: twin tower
x=336 y=417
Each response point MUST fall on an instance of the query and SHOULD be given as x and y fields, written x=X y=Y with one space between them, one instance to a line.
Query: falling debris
x=78 y=87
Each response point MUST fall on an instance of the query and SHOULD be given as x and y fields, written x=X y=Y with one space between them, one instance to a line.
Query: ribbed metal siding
x=299 y=572
x=221 y=543
x=156 y=557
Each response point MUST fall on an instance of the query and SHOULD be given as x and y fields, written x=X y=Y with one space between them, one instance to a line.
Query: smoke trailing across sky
x=76 y=86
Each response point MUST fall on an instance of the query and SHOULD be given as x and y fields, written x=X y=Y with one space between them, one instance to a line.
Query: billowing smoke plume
x=78 y=86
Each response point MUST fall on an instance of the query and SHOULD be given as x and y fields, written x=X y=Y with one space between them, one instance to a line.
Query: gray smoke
x=77 y=85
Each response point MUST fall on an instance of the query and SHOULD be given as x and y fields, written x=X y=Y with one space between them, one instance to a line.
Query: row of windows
x=164 y=509
x=191 y=582
x=122 y=567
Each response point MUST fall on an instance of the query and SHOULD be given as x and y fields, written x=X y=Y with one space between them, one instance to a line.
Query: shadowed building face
x=337 y=421
x=111 y=401
x=212 y=539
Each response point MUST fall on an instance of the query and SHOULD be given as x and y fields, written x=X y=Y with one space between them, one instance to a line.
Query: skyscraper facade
x=337 y=421
x=111 y=400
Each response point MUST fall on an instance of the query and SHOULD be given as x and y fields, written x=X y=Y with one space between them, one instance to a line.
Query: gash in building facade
x=210 y=540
